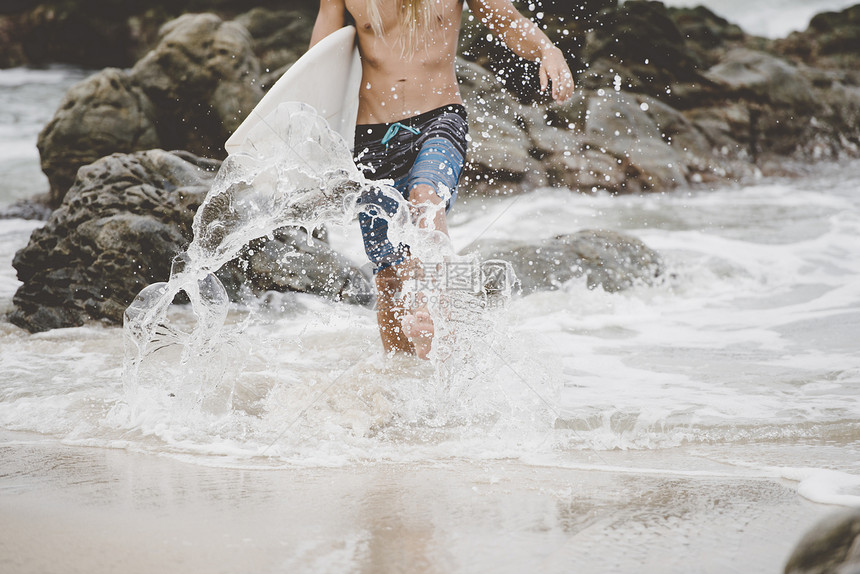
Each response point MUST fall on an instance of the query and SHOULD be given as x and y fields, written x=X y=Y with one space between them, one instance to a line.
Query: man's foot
x=418 y=328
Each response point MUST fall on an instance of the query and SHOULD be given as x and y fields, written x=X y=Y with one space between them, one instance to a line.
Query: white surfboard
x=327 y=77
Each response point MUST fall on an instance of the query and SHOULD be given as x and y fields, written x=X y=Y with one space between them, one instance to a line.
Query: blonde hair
x=416 y=18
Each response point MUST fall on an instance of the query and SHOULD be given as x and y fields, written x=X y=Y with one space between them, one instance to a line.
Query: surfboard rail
x=327 y=77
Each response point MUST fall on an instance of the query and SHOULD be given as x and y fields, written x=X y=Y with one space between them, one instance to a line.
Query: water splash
x=298 y=172
x=295 y=172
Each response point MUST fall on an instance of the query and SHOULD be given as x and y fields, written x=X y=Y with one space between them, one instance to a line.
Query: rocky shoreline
x=666 y=98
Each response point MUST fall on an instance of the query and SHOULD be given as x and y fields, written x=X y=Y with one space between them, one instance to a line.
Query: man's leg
x=390 y=311
x=416 y=322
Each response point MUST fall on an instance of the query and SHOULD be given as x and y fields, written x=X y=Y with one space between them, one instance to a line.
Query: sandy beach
x=76 y=509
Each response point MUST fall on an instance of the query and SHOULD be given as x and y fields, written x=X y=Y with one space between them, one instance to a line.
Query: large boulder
x=763 y=78
x=122 y=223
x=280 y=37
x=608 y=259
x=203 y=78
x=104 y=114
x=619 y=124
x=189 y=93
x=116 y=232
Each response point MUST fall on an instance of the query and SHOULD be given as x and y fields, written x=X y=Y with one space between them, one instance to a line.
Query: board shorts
x=428 y=149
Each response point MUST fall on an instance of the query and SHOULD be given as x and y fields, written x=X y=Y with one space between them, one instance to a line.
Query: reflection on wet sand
x=99 y=510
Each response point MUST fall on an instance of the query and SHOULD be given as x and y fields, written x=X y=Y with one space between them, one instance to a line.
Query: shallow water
x=716 y=405
x=745 y=354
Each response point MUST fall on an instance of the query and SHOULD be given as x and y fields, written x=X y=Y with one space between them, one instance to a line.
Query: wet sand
x=78 y=509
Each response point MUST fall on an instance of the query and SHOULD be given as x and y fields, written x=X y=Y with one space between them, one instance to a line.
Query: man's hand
x=554 y=69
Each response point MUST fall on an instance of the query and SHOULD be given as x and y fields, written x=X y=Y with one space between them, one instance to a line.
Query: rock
x=622 y=143
x=607 y=259
x=763 y=78
x=104 y=114
x=11 y=51
x=837 y=35
x=707 y=34
x=117 y=231
x=120 y=226
x=831 y=547
x=639 y=46
x=95 y=34
x=291 y=261
x=829 y=42
x=91 y=34
x=498 y=160
x=617 y=123
x=189 y=93
x=203 y=79
x=26 y=209
x=280 y=36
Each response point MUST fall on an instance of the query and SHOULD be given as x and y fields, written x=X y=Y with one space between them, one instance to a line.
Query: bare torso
x=395 y=86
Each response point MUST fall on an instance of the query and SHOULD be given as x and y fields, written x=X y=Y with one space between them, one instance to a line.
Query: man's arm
x=527 y=41
x=331 y=17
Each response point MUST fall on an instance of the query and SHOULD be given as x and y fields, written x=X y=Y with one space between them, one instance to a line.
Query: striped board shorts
x=427 y=149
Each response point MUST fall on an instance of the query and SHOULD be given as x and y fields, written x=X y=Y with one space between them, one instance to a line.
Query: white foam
x=748 y=341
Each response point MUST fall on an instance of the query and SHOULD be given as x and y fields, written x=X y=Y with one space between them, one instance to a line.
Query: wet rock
x=280 y=36
x=203 y=78
x=618 y=124
x=763 y=78
x=119 y=228
x=26 y=209
x=189 y=93
x=499 y=148
x=831 y=547
x=103 y=114
x=607 y=259
x=292 y=261
x=116 y=232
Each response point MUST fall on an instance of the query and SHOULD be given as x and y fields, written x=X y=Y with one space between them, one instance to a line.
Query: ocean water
x=30 y=98
x=744 y=353
x=768 y=18
x=741 y=367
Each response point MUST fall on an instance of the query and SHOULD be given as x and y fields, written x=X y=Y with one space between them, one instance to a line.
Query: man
x=411 y=124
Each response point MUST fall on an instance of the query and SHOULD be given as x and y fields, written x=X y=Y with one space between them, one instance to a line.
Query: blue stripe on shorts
x=434 y=157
